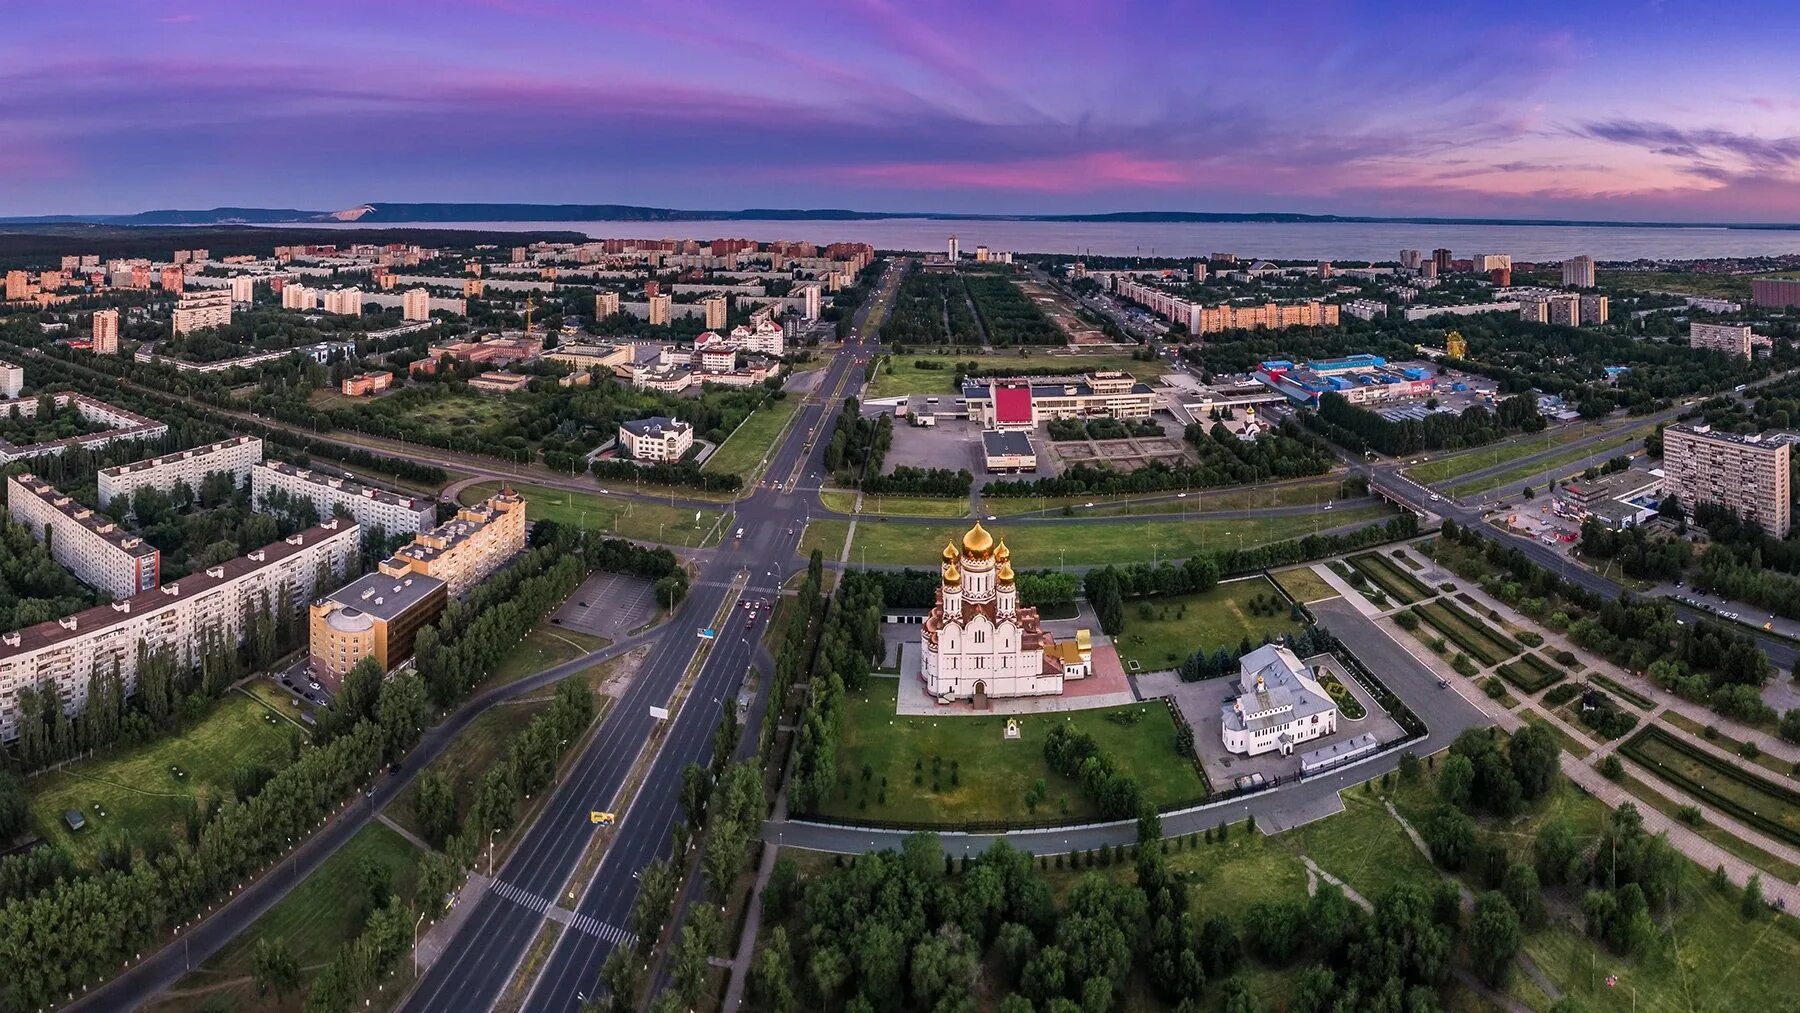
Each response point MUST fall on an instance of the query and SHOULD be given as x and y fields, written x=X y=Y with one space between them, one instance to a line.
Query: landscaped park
x=1160 y=632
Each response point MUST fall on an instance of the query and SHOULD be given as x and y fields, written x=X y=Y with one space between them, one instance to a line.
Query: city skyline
x=1645 y=111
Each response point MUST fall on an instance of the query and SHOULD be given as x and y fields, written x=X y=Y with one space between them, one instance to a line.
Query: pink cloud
x=1061 y=174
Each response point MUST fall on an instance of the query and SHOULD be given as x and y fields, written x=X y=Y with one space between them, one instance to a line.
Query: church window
x=980 y=636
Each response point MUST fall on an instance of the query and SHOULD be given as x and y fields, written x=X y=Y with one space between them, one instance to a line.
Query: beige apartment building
x=464 y=550
x=1749 y=474
x=1733 y=339
x=378 y=616
x=1578 y=272
x=606 y=304
x=105 y=334
x=236 y=455
x=415 y=304
x=91 y=545
x=202 y=308
x=1268 y=316
x=66 y=651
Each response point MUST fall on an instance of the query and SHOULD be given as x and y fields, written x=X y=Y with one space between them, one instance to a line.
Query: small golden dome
x=1004 y=575
x=949 y=552
x=951 y=574
x=977 y=542
x=1002 y=553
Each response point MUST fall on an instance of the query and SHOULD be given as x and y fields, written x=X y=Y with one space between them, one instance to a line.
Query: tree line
x=1358 y=429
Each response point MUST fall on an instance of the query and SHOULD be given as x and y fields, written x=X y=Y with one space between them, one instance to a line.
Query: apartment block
x=368 y=506
x=1268 y=316
x=378 y=616
x=712 y=311
x=366 y=383
x=1749 y=474
x=1778 y=292
x=121 y=425
x=415 y=304
x=1578 y=272
x=659 y=309
x=202 y=308
x=1733 y=339
x=12 y=380
x=236 y=455
x=464 y=550
x=66 y=651
x=298 y=297
x=344 y=302
x=105 y=334
x=606 y=304
x=91 y=545
x=1595 y=309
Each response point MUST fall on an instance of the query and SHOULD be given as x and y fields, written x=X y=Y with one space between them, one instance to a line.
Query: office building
x=12 y=380
x=585 y=357
x=374 y=509
x=378 y=616
x=92 y=546
x=415 y=304
x=1578 y=272
x=1748 y=474
x=1022 y=403
x=236 y=455
x=1779 y=293
x=465 y=549
x=495 y=382
x=657 y=438
x=1007 y=452
x=66 y=652
x=202 y=308
x=105 y=334
x=1733 y=339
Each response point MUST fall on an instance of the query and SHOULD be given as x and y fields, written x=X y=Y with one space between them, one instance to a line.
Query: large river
x=1290 y=241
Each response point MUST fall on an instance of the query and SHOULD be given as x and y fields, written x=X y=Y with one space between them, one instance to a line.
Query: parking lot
x=608 y=605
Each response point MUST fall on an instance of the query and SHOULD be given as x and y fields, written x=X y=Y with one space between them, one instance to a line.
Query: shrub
x=1690 y=814
x=1462 y=664
x=1562 y=694
x=1530 y=638
x=1612 y=768
x=1494 y=688
x=1406 y=620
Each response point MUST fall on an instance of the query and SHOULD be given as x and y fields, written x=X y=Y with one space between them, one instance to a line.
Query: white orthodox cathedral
x=978 y=643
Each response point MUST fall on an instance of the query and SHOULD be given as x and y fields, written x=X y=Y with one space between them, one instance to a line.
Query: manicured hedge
x=1465 y=631
x=1530 y=673
x=1397 y=583
x=1781 y=799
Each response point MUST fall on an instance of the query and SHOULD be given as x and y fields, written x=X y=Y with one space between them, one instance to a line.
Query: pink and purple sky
x=1676 y=110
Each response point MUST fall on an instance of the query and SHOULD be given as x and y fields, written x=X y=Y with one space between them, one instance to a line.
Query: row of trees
x=917 y=589
x=1008 y=317
x=1359 y=429
x=849 y=641
x=858 y=445
x=906 y=479
x=1077 y=756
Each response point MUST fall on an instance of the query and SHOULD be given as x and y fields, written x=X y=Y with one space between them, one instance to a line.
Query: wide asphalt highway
x=475 y=967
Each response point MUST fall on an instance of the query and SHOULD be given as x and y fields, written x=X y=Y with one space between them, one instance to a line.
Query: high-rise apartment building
x=174 y=279
x=92 y=546
x=344 y=302
x=1578 y=272
x=712 y=311
x=1486 y=263
x=370 y=507
x=1441 y=258
x=660 y=306
x=606 y=304
x=1595 y=309
x=464 y=550
x=295 y=296
x=236 y=456
x=105 y=333
x=66 y=652
x=12 y=379
x=954 y=250
x=1272 y=316
x=19 y=286
x=202 y=308
x=1777 y=292
x=243 y=288
x=810 y=295
x=1748 y=474
x=415 y=304
x=1733 y=339
x=1409 y=259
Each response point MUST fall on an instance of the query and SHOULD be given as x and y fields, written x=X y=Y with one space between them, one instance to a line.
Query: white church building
x=1279 y=704
x=978 y=643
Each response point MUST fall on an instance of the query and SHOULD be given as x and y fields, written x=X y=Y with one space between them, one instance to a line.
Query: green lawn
x=1364 y=846
x=1570 y=744
x=647 y=522
x=1182 y=624
x=1398 y=584
x=992 y=774
x=1554 y=465
x=1079 y=542
x=1650 y=798
x=1455 y=465
x=1773 y=809
x=908 y=378
x=314 y=919
x=743 y=451
x=136 y=787
x=1301 y=493
x=544 y=646
x=1304 y=584
x=1467 y=632
x=1773 y=764
x=844 y=502
x=1530 y=673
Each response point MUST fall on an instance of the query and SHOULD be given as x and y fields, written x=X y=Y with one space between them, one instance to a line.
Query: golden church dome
x=951 y=574
x=1004 y=575
x=949 y=552
x=977 y=542
x=1002 y=553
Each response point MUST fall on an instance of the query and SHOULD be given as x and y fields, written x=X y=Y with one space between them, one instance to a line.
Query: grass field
x=1304 y=585
x=1555 y=464
x=1771 y=763
x=1403 y=587
x=1651 y=798
x=1182 y=624
x=1570 y=744
x=1080 y=542
x=1631 y=696
x=743 y=451
x=1456 y=465
x=844 y=502
x=313 y=920
x=1233 y=498
x=477 y=747
x=1771 y=808
x=544 y=646
x=992 y=773
x=648 y=522
x=1530 y=673
x=136 y=787
x=1466 y=631
x=908 y=378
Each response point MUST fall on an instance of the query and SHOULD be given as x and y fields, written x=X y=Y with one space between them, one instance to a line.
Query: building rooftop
x=654 y=426
x=48 y=634
x=346 y=486
x=381 y=595
x=179 y=455
x=454 y=532
x=1773 y=439
x=1006 y=444
x=1273 y=679
x=94 y=521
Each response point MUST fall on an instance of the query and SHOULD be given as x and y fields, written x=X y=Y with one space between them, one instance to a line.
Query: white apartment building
x=370 y=507
x=1733 y=339
x=12 y=379
x=105 y=334
x=1167 y=305
x=1485 y=262
x=810 y=295
x=298 y=297
x=243 y=288
x=657 y=438
x=767 y=337
x=66 y=651
x=92 y=546
x=1578 y=272
x=415 y=304
x=236 y=455
x=122 y=425
x=202 y=308
x=1365 y=309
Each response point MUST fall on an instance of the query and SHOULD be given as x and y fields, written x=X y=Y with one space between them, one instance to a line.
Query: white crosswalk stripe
x=586 y=924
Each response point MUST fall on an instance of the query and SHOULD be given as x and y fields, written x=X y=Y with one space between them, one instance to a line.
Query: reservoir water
x=1279 y=240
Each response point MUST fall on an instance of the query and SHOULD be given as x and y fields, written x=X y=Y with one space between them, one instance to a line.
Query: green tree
x=273 y=967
